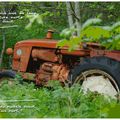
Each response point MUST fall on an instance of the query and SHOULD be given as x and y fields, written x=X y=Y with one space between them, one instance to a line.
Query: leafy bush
x=53 y=102
x=93 y=31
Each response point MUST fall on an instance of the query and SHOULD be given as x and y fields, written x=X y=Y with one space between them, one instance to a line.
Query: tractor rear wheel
x=99 y=74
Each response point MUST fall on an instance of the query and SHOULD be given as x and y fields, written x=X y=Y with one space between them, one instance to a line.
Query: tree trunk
x=3 y=49
x=78 y=22
x=69 y=14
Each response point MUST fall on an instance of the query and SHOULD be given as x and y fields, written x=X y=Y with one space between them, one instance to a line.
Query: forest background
x=51 y=15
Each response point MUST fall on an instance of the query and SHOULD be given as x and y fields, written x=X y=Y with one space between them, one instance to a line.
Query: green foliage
x=112 y=110
x=108 y=36
x=113 y=40
x=115 y=26
x=73 y=43
x=67 y=33
x=89 y=22
x=53 y=102
x=94 y=34
x=32 y=19
x=38 y=18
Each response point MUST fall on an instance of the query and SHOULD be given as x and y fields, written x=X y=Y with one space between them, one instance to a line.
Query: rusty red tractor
x=91 y=65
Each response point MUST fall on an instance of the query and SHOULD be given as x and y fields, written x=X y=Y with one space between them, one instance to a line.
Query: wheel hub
x=100 y=81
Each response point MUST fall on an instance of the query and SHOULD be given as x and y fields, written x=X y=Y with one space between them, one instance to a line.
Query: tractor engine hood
x=44 y=43
x=47 y=42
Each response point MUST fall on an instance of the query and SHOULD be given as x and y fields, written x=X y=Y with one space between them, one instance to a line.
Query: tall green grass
x=53 y=102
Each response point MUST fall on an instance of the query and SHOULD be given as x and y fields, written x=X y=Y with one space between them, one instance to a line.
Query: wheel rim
x=98 y=80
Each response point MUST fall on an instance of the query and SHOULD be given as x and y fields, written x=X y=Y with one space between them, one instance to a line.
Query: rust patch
x=44 y=54
x=51 y=71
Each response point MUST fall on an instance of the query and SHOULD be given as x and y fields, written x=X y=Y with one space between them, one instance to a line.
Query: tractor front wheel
x=7 y=73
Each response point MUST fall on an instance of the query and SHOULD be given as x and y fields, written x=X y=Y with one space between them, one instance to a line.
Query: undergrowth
x=25 y=100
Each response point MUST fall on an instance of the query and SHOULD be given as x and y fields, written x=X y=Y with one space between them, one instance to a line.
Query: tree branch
x=73 y=12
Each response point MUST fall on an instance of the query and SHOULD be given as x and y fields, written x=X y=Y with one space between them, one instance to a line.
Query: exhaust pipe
x=49 y=34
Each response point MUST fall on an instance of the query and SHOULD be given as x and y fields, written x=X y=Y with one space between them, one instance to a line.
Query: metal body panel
x=20 y=63
x=51 y=44
x=107 y=53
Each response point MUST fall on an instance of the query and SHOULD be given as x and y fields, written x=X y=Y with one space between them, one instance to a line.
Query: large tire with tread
x=108 y=65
